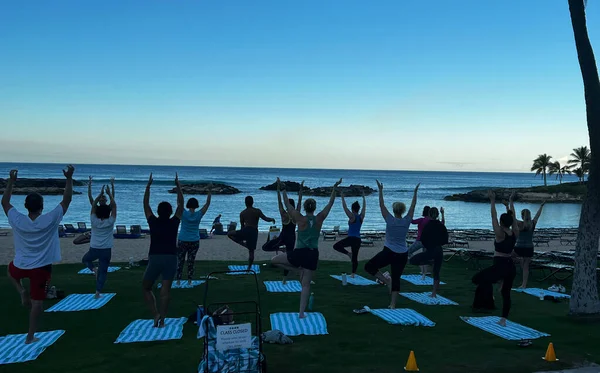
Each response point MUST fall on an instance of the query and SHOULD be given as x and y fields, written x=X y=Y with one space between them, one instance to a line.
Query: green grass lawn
x=355 y=344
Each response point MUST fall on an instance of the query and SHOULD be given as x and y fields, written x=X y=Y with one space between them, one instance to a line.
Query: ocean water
x=130 y=182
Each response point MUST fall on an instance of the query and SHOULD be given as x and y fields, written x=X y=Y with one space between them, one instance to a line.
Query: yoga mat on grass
x=536 y=292
x=418 y=280
x=279 y=287
x=144 y=331
x=512 y=331
x=255 y=268
x=357 y=280
x=401 y=316
x=81 y=302
x=183 y=284
x=86 y=271
x=14 y=350
x=424 y=298
x=289 y=323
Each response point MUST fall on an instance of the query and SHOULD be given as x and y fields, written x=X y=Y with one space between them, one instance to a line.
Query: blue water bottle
x=311 y=301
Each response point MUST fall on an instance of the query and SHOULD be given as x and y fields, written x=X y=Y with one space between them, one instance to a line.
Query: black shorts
x=247 y=236
x=524 y=252
x=304 y=258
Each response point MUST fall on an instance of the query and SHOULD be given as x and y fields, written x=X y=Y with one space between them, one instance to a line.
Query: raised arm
x=204 y=208
x=364 y=209
x=539 y=213
x=323 y=214
x=299 y=204
x=384 y=211
x=8 y=191
x=443 y=217
x=113 y=203
x=180 y=199
x=293 y=212
x=112 y=185
x=68 y=193
x=147 y=209
x=497 y=229
x=346 y=210
x=413 y=204
x=90 y=197
x=282 y=211
x=95 y=202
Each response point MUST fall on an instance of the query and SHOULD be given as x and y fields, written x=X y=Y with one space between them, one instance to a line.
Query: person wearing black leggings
x=433 y=237
x=395 y=251
x=355 y=220
x=503 y=269
x=287 y=237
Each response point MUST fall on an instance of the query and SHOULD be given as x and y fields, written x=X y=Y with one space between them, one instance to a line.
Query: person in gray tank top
x=524 y=247
x=305 y=257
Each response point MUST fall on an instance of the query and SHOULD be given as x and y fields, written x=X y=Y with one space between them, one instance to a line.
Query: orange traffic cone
x=411 y=364
x=550 y=354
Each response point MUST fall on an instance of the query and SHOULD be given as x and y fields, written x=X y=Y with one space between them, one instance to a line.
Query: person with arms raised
x=162 y=257
x=395 y=251
x=355 y=220
x=37 y=246
x=305 y=256
x=102 y=217
x=247 y=236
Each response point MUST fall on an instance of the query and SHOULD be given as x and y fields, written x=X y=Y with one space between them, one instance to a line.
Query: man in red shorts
x=36 y=246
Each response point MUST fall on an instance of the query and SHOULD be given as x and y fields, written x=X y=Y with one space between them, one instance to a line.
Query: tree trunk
x=545 y=183
x=584 y=294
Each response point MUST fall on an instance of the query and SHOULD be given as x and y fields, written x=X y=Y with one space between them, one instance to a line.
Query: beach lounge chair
x=135 y=229
x=336 y=228
x=329 y=236
x=232 y=226
x=367 y=242
x=541 y=241
x=123 y=234
x=81 y=227
x=62 y=232
x=69 y=228
x=204 y=234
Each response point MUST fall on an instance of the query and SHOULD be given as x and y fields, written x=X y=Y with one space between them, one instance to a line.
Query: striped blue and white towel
x=255 y=268
x=424 y=298
x=357 y=280
x=536 y=292
x=418 y=280
x=144 y=331
x=279 y=287
x=81 y=302
x=289 y=324
x=183 y=284
x=14 y=350
x=86 y=271
x=401 y=316
x=512 y=331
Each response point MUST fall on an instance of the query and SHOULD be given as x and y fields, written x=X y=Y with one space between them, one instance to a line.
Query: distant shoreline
x=561 y=193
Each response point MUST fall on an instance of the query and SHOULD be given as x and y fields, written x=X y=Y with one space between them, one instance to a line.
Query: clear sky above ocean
x=424 y=85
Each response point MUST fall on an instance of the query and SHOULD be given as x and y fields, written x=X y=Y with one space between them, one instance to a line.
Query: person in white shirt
x=36 y=246
x=103 y=217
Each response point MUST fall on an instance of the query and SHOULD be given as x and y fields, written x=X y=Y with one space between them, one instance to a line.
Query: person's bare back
x=250 y=217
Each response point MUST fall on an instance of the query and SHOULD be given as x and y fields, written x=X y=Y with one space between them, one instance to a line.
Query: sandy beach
x=218 y=248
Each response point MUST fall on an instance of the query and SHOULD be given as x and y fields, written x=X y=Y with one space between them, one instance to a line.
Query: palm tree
x=581 y=158
x=555 y=168
x=541 y=164
x=584 y=294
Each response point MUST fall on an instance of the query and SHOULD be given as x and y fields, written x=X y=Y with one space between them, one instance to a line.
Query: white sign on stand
x=230 y=337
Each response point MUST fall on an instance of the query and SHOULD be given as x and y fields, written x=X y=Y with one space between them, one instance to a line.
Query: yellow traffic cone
x=550 y=354
x=411 y=364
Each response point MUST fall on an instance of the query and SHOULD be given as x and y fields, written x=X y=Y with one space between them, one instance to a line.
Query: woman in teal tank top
x=305 y=256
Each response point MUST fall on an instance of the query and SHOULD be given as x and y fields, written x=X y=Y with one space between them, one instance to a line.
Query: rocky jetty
x=349 y=191
x=202 y=189
x=290 y=186
x=565 y=193
x=45 y=187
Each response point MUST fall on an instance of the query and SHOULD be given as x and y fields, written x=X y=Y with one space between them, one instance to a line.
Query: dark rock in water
x=202 y=189
x=289 y=186
x=349 y=191
x=45 y=187
x=531 y=195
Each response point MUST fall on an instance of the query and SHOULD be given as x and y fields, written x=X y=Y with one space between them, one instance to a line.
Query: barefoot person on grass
x=506 y=232
x=102 y=217
x=395 y=252
x=189 y=237
x=353 y=241
x=247 y=236
x=36 y=246
x=287 y=237
x=162 y=257
x=305 y=256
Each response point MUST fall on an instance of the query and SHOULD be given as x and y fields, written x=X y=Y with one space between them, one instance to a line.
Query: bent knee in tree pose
x=355 y=219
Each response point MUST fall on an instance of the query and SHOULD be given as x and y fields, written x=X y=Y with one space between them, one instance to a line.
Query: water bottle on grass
x=344 y=279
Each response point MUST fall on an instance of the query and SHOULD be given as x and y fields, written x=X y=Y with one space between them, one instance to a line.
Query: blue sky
x=420 y=85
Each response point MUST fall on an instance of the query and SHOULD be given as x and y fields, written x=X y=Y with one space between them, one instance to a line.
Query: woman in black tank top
x=287 y=237
x=503 y=269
